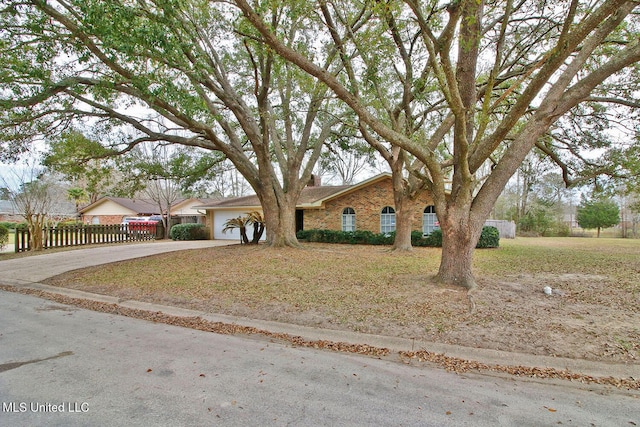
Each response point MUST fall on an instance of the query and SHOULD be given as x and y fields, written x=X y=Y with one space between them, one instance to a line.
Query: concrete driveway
x=33 y=269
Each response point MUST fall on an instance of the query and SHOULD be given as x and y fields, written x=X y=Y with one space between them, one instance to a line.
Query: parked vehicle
x=128 y=219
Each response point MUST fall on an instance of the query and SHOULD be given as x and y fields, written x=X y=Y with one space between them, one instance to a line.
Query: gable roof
x=140 y=206
x=146 y=206
x=7 y=207
x=310 y=197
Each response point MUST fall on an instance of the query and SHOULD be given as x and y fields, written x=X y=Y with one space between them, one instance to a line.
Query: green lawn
x=615 y=258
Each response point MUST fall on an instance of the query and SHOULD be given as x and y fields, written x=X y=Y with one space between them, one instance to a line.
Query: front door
x=299 y=220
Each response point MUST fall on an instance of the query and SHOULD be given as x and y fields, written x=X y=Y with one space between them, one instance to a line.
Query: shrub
x=382 y=238
x=71 y=223
x=361 y=236
x=490 y=238
x=561 y=229
x=358 y=237
x=538 y=220
x=189 y=232
x=4 y=236
x=433 y=239
x=9 y=225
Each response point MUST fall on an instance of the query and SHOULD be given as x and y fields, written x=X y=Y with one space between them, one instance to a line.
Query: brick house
x=368 y=205
x=112 y=210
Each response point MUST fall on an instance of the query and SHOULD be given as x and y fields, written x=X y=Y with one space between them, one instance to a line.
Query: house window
x=429 y=220
x=387 y=220
x=348 y=219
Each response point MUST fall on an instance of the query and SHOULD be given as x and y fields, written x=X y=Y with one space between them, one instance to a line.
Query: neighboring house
x=368 y=205
x=189 y=211
x=112 y=210
x=63 y=209
x=8 y=212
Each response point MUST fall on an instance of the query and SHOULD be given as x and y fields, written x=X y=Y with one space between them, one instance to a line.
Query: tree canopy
x=469 y=88
x=597 y=213
x=165 y=71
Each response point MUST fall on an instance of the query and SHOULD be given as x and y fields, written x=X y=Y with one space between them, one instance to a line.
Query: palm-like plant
x=242 y=222
x=239 y=223
x=257 y=220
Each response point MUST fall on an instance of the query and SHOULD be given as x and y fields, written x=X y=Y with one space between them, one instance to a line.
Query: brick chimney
x=314 y=181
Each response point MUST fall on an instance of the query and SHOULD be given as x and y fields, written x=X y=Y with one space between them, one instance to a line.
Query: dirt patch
x=591 y=313
x=583 y=317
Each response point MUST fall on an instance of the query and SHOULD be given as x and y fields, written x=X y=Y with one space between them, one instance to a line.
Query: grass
x=319 y=271
x=339 y=280
x=349 y=282
x=617 y=259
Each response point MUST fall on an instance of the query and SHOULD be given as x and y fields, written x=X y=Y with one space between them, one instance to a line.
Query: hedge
x=4 y=236
x=10 y=225
x=490 y=237
x=188 y=232
x=358 y=237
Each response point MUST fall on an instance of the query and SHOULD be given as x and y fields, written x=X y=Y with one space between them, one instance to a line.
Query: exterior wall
x=103 y=219
x=107 y=213
x=9 y=217
x=110 y=208
x=187 y=208
x=367 y=203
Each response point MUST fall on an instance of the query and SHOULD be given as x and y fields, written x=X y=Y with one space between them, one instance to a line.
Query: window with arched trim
x=348 y=219
x=429 y=220
x=387 y=220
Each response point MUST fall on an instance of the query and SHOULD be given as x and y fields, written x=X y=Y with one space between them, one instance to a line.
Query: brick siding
x=104 y=219
x=367 y=203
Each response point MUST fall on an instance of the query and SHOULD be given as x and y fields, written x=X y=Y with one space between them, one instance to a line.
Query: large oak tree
x=172 y=71
x=469 y=87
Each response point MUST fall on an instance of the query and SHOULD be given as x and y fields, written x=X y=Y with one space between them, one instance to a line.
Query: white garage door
x=221 y=217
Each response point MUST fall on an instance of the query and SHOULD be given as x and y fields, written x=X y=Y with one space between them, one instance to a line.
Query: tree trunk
x=404 y=214
x=258 y=230
x=35 y=223
x=459 y=239
x=243 y=236
x=404 y=202
x=404 y=221
x=406 y=207
x=280 y=223
x=457 y=258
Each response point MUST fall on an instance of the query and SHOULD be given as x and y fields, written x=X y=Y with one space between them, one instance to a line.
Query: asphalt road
x=64 y=366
